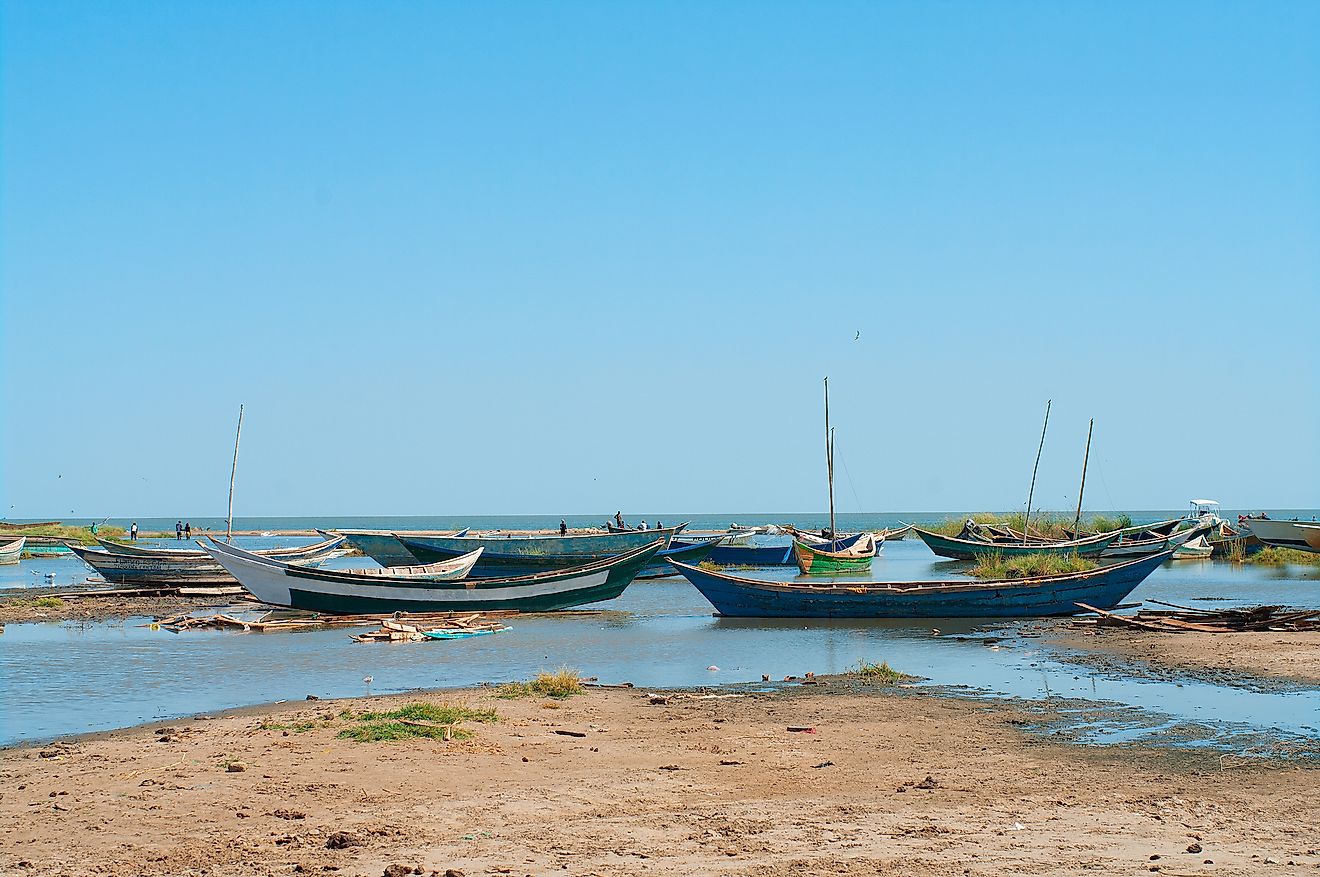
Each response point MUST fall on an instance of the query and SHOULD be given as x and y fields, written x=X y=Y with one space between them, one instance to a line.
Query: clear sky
x=574 y=257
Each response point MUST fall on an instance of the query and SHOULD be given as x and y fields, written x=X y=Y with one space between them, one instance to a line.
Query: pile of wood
x=415 y=629
x=274 y=622
x=1183 y=619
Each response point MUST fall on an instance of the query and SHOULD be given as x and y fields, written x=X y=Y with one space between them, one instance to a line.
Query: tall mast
x=1026 y=524
x=229 y=519
x=829 y=454
x=1081 y=490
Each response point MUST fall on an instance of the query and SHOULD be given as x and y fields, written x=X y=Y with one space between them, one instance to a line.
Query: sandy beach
x=609 y=782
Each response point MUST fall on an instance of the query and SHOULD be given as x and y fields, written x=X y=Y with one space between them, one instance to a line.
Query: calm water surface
x=64 y=678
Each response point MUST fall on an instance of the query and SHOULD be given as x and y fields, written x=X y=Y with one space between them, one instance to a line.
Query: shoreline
x=609 y=782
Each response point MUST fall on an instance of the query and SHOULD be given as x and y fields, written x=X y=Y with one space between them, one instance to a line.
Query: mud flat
x=1259 y=656
x=39 y=606
x=874 y=780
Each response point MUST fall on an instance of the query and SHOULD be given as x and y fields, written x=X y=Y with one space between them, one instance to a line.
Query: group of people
x=619 y=524
x=182 y=530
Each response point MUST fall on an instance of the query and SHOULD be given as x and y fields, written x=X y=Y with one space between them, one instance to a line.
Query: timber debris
x=1185 y=619
x=398 y=627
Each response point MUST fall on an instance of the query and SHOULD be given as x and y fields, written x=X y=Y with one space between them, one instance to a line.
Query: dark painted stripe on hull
x=319 y=602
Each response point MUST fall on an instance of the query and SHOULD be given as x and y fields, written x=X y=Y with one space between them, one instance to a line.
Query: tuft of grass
x=441 y=722
x=296 y=727
x=881 y=673
x=81 y=535
x=35 y=602
x=1272 y=555
x=994 y=565
x=1236 y=552
x=560 y=684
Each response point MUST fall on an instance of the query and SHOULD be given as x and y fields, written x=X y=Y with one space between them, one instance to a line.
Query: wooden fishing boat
x=971 y=549
x=1102 y=587
x=833 y=560
x=1226 y=540
x=752 y=555
x=894 y=535
x=1311 y=533
x=12 y=550
x=611 y=527
x=684 y=552
x=129 y=569
x=384 y=547
x=441 y=571
x=524 y=555
x=1142 y=543
x=1193 y=549
x=321 y=590
x=315 y=551
x=1282 y=534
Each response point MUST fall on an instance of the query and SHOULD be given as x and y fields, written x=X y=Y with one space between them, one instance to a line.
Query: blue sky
x=573 y=257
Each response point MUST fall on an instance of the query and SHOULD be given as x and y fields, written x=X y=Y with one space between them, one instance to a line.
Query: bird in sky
x=858 y=335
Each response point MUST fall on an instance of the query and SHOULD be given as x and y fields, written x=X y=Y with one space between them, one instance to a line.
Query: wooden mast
x=829 y=454
x=1081 y=490
x=229 y=519
x=1026 y=523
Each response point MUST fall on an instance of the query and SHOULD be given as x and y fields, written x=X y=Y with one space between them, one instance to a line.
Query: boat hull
x=1281 y=534
x=12 y=550
x=683 y=552
x=969 y=549
x=813 y=561
x=528 y=555
x=314 y=551
x=337 y=592
x=752 y=555
x=735 y=596
x=381 y=546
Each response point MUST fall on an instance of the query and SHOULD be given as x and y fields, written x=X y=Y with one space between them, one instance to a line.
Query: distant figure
x=563 y=527
x=642 y=525
x=187 y=530
x=659 y=525
x=93 y=528
x=618 y=520
x=178 y=529
x=132 y=532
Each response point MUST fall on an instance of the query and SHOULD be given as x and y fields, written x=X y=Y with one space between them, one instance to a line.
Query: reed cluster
x=1272 y=555
x=994 y=565
x=880 y=673
x=431 y=720
x=560 y=684
x=1051 y=525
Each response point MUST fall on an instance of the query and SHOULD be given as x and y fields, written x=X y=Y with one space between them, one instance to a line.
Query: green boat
x=814 y=560
x=971 y=549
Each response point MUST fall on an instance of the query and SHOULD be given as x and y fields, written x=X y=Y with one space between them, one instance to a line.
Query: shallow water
x=58 y=679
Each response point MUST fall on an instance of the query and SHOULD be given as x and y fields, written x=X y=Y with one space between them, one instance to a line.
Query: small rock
x=288 y=814
x=453 y=872
x=312 y=697
x=397 y=870
x=236 y=767
x=342 y=840
x=241 y=815
x=1193 y=848
x=1154 y=857
x=526 y=759
x=1269 y=861
x=928 y=783
x=147 y=782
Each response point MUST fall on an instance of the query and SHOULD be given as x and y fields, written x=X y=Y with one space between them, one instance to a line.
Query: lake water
x=64 y=678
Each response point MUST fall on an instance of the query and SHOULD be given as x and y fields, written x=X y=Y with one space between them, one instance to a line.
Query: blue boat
x=751 y=555
x=515 y=555
x=1031 y=597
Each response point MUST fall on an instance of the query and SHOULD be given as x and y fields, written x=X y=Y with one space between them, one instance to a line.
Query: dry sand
x=717 y=786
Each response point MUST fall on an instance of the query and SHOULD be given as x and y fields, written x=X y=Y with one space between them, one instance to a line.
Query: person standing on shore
x=618 y=520
x=178 y=529
x=132 y=532
x=187 y=530
x=563 y=527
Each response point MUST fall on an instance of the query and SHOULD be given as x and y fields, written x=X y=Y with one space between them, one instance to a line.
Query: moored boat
x=1311 y=533
x=1102 y=587
x=684 y=552
x=321 y=590
x=124 y=569
x=835 y=559
x=524 y=555
x=1193 y=549
x=329 y=544
x=896 y=534
x=752 y=555
x=384 y=547
x=969 y=549
x=1282 y=534
x=11 y=551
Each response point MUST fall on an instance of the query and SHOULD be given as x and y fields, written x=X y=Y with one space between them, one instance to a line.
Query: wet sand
x=1285 y=656
x=23 y=607
x=890 y=781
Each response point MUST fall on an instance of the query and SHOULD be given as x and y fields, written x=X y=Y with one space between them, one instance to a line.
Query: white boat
x=1193 y=549
x=1283 y=534
x=1311 y=533
x=10 y=551
x=323 y=590
x=329 y=543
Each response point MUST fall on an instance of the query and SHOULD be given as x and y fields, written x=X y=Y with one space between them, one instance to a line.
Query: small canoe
x=684 y=552
x=1194 y=549
x=896 y=534
x=12 y=550
x=813 y=560
x=971 y=549
x=752 y=555
x=460 y=634
x=515 y=555
x=326 y=590
x=1031 y=597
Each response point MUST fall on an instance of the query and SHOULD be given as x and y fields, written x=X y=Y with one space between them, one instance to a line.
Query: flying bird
x=858 y=335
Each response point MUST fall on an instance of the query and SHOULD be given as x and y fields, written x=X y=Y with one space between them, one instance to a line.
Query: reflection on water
x=59 y=679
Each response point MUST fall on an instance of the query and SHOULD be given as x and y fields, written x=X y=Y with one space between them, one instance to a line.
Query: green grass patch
x=995 y=566
x=1051 y=525
x=881 y=673
x=81 y=535
x=429 y=720
x=560 y=684
x=296 y=727
x=35 y=602
x=1272 y=555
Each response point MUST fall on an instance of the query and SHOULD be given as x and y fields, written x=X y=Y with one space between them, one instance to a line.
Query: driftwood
x=1181 y=619
x=400 y=626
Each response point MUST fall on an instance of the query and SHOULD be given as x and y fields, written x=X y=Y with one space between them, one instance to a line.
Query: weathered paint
x=683 y=552
x=971 y=549
x=812 y=561
x=525 y=555
x=10 y=551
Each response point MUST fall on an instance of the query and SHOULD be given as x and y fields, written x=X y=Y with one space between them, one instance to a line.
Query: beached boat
x=894 y=535
x=129 y=569
x=441 y=571
x=1226 y=539
x=816 y=560
x=693 y=553
x=330 y=543
x=1311 y=533
x=1282 y=534
x=1193 y=549
x=752 y=555
x=12 y=550
x=321 y=590
x=1102 y=587
x=611 y=527
x=523 y=555
x=970 y=549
